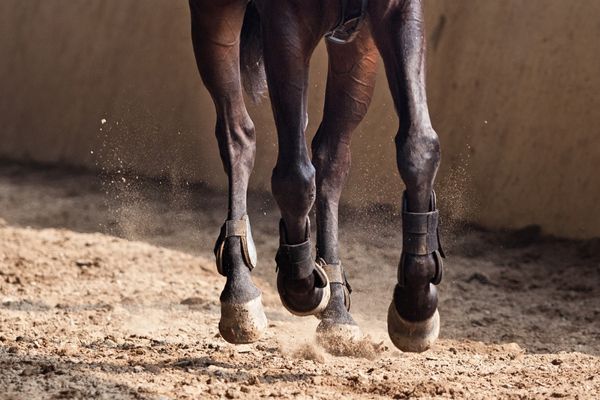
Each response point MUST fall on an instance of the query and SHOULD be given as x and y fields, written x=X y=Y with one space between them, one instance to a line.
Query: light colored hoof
x=410 y=336
x=328 y=333
x=242 y=323
x=344 y=340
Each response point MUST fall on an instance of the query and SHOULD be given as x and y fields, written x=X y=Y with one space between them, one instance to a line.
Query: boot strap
x=236 y=228
x=420 y=231
x=337 y=274
x=421 y=236
x=294 y=261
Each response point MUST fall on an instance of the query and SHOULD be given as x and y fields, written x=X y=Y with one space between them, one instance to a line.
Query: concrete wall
x=513 y=89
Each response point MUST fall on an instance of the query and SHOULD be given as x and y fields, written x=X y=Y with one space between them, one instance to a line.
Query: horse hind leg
x=216 y=30
x=413 y=319
x=350 y=84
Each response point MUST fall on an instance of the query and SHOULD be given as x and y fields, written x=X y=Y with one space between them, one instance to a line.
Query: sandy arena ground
x=108 y=290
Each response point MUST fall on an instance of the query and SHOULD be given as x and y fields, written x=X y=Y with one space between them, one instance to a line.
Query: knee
x=418 y=154
x=293 y=185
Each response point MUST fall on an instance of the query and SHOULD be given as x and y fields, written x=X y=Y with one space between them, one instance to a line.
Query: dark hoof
x=242 y=322
x=410 y=336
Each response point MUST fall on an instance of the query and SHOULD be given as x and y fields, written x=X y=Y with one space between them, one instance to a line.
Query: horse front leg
x=413 y=319
x=290 y=34
x=350 y=84
x=216 y=27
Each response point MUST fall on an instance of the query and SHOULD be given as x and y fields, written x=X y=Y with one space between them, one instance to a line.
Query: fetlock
x=413 y=318
x=235 y=255
x=242 y=316
x=246 y=249
x=421 y=266
x=337 y=325
x=302 y=284
x=239 y=287
x=337 y=311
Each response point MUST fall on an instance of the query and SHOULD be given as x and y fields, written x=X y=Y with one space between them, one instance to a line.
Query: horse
x=261 y=45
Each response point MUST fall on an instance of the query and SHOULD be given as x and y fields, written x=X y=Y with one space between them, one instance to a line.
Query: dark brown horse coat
x=232 y=40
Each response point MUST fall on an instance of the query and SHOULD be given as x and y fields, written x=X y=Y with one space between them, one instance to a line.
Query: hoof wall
x=340 y=339
x=328 y=332
x=242 y=323
x=410 y=336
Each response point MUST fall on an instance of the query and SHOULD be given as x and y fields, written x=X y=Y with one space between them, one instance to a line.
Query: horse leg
x=413 y=319
x=350 y=84
x=216 y=27
x=290 y=34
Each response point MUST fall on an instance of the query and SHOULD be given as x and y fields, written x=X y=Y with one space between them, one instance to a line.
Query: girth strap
x=350 y=23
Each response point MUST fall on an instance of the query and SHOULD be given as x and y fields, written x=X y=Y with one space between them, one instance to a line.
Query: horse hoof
x=315 y=306
x=328 y=332
x=242 y=323
x=410 y=336
x=339 y=339
x=315 y=311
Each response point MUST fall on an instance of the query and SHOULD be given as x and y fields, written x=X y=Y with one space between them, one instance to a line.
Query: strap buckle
x=348 y=27
x=346 y=32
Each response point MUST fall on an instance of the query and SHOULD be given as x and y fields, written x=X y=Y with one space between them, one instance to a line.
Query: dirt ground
x=108 y=290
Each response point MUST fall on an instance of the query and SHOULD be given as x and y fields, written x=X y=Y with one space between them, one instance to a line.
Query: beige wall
x=513 y=89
